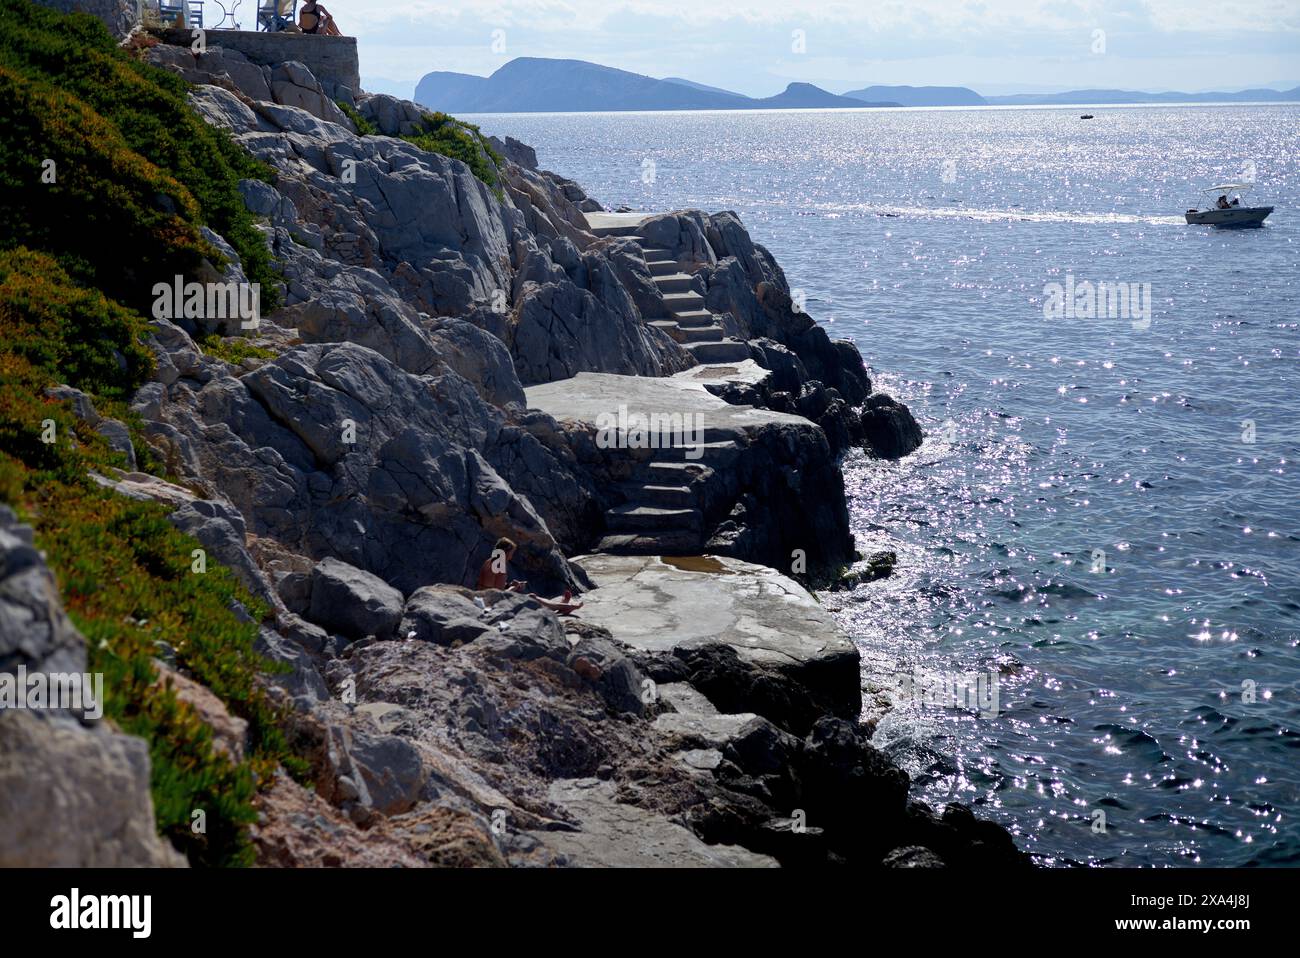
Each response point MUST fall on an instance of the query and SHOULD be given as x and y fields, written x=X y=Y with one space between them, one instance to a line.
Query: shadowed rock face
x=332 y=450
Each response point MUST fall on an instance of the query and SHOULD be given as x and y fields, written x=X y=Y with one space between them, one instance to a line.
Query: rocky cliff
x=351 y=457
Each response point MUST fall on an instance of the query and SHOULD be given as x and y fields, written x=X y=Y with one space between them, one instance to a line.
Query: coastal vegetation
x=106 y=178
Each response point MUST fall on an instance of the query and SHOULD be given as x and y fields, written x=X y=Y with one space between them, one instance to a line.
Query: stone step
x=655 y=254
x=714 y=452
x=670 y=327
x=671 y=496
x=677 y=465
x=689 y=334
x=634 y=517
x=730 y=351
x=672 y=472
x=695 y=317
x=674 y=282
x=664 y=267
x=701 y=334
x=683 y=302
x=674 y=542
x=628 y=230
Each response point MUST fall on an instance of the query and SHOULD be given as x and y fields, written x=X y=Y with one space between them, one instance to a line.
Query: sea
x=1091 y=633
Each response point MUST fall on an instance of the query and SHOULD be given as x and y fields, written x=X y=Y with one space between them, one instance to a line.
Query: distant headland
x=540 y=85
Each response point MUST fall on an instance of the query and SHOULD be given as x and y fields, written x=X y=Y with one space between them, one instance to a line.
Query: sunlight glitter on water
x=1164 y=689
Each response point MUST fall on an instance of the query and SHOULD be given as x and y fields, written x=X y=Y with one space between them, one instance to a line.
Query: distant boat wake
x=997 y=216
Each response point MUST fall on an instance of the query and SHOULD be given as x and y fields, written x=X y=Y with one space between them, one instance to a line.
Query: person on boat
x=1236 y=201
x=492 y=575
x=313 y=18
x=1222 y=202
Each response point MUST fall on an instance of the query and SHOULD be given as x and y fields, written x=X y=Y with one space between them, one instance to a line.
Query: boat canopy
x=1229 y=187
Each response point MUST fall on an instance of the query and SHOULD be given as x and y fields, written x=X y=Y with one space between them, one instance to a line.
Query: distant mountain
x=535 y=85
x=1096 y=97
x=698 y=86
x=919 y=95
x=808 y=97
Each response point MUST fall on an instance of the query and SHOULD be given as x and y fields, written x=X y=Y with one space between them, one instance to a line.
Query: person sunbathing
x=492 y=575
x=313 y=18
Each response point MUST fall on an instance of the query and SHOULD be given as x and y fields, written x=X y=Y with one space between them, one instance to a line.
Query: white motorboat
x=1222 y=206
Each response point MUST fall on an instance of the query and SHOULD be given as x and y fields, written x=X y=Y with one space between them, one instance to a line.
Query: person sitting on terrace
x=313 y=18
x=492 y=575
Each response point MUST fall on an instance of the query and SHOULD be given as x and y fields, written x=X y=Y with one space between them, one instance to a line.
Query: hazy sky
x=993 y=46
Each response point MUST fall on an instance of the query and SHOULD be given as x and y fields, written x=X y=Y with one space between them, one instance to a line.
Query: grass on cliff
x=126 y=575
x=446 y=136
x=136 y=173
x=233 y=349
x=462 y=141
x=104 y=166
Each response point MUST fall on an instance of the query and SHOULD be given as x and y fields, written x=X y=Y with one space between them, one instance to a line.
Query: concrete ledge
x=666 y=604
x=333 y=60
x=588 y=397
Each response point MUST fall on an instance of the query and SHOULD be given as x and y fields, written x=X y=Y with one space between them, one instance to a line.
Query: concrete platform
x=614 y=221
x=589 y=396
x=658 y=603
x=747 y=373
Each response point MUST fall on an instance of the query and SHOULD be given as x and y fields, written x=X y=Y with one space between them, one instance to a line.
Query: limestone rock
x=75 y=797
x=352 y=601
x=768 y=621
x=612 y=834
x=34 y=629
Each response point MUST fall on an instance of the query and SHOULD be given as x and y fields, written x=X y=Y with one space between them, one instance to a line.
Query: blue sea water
x=1106 y=513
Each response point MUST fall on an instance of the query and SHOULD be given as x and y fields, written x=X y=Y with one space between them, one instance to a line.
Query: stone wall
x=118 y=15
x=332 y=60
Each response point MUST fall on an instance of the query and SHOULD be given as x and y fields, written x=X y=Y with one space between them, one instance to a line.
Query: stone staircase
x=661 y=512
x=687 y=320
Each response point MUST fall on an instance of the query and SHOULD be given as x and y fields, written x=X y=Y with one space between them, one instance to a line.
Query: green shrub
x=364 y=126
x=135 y=165
x=233 y=349
x=137 y=174
x=462 y=141
x=69 y=333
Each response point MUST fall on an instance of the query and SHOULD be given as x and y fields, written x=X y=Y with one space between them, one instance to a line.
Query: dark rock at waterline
x=888 y=427
x=878 y=565
x=961 y=839
x=735 y=685
x=912 y=856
